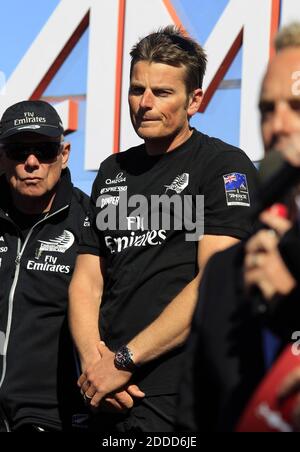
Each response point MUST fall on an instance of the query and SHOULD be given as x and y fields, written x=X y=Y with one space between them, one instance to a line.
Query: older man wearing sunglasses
x=41 y=216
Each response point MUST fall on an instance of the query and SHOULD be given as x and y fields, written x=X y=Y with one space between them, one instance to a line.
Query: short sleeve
x=229 y=189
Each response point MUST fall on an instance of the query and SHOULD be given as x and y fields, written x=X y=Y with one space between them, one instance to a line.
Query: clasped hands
x=106 y=387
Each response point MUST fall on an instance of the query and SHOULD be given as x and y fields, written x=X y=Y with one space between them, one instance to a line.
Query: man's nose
x=146 y=99
x=32 y=161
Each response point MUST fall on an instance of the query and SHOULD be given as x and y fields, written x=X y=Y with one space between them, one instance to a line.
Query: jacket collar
x=64 y=191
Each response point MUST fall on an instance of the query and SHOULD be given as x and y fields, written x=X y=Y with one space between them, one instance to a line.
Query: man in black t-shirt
x=137 y=275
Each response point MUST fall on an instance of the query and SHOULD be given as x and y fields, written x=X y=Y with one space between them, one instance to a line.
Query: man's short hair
x=288 y=36
x=169 y=45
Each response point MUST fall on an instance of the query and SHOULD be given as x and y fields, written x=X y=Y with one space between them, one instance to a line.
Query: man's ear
x=65 y=153
x=195 y=99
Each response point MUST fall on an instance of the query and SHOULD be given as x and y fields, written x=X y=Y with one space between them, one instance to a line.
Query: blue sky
x=18 y=30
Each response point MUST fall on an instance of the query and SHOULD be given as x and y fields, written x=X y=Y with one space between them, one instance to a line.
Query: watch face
x=123 y=359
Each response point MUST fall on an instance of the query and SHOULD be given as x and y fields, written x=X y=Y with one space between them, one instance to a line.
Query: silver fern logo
x=179 y=183
x=58 y=245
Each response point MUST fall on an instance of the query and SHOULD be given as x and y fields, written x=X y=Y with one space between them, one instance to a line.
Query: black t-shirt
x=147 y=267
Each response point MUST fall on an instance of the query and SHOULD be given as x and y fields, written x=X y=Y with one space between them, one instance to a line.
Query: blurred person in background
x=252 y=289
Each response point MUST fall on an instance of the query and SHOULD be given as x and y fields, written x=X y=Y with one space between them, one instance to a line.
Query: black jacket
x=225 y=358
x=37 y=373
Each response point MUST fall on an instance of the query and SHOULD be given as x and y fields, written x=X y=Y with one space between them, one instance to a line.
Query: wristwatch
x=123 y=359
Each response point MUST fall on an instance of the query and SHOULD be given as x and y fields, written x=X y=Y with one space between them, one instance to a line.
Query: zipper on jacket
x=10 y=309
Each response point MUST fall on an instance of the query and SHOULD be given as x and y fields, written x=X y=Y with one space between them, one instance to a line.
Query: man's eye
x=162 y=93
x=266 y=109
x=295 y=105
x=136 y=91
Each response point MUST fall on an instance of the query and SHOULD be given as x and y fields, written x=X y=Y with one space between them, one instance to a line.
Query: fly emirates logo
x=29 y=117
x=59 y=244
x=48 y=265
x=137 y=237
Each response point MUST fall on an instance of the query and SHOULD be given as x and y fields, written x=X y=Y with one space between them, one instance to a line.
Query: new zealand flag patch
x=236 y=189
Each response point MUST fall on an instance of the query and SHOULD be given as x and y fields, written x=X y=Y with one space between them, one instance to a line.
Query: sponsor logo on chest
x=179 y=183
x=59 y=245
x=49 y=263
x=117 y=180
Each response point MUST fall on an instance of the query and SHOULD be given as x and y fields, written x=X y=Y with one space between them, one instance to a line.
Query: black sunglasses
x=44 y=152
